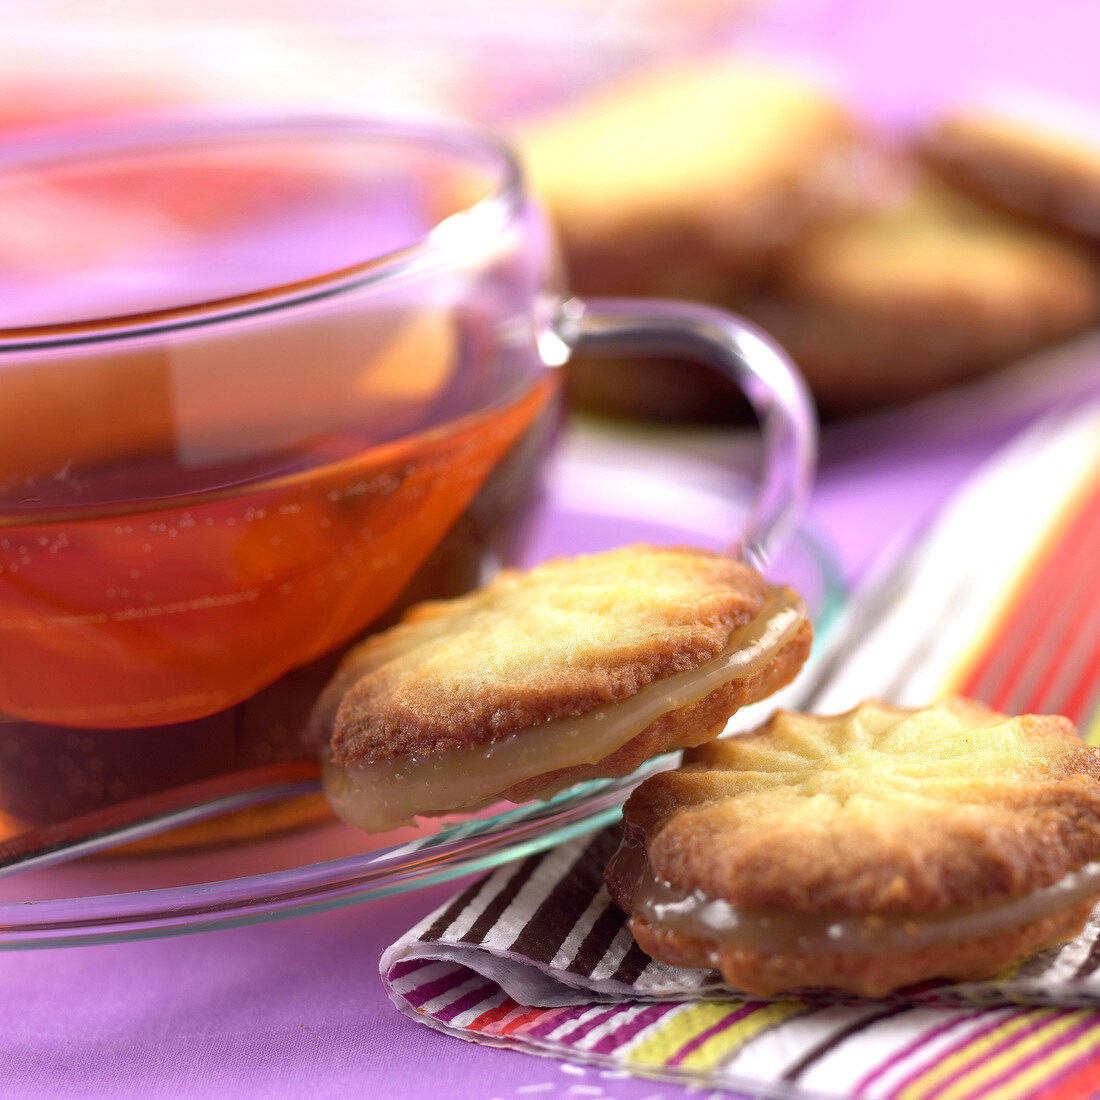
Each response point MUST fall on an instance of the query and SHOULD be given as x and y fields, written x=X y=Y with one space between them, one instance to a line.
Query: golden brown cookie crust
x=765 y=974
x=836 y=814
x=929 y=290
x=881 y=812
x=1035 y=167
x=684 y=728
x=533 y=646
x=678 y=181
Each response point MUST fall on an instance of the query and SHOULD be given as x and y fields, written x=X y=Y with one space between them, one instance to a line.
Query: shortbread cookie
x=865 y=851
x=681 y=183
x=1034 y=155
x=676 y=182
x=928 y=291
x=578 y=668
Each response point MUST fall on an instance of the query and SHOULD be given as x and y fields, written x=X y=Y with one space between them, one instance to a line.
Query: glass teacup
x=264 y=384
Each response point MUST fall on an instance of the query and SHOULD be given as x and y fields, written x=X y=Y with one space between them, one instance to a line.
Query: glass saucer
x=596 y=498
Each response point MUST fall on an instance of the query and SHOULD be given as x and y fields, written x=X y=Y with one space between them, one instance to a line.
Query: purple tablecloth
x=295 y=1008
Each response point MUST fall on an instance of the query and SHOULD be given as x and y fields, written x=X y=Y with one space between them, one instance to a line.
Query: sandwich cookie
x=576 y=669
x=865 y=851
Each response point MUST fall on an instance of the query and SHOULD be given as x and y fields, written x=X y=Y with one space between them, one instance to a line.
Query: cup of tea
x=263 y=383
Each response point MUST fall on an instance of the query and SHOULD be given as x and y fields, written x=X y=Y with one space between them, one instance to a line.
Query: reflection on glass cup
x=261 y=385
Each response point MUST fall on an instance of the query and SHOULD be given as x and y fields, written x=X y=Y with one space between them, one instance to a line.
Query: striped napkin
x=999 y=599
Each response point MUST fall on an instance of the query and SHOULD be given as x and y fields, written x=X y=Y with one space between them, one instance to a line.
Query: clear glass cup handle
x=750 y=360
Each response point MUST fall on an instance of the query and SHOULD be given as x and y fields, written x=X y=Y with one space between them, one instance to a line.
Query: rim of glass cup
x=462 y=233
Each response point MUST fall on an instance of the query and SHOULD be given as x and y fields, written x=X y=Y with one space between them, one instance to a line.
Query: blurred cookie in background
x=681 y=183
x=677 y=183
x=672 y=391
x=926 y=291
x=1034 y=155
x=754 y=187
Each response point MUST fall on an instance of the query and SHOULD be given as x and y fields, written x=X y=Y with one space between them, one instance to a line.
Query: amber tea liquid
x=196 y=632
x=242 y=419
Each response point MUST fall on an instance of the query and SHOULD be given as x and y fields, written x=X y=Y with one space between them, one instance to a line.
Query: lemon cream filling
x=384 y=794
x=693 y=913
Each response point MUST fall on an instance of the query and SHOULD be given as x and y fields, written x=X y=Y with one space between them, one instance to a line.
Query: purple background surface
x=294 y=1008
